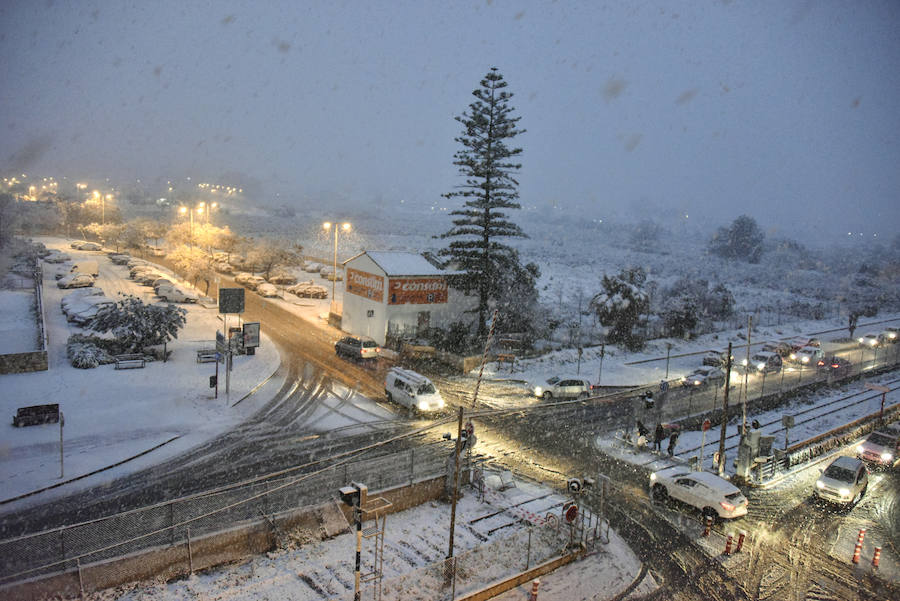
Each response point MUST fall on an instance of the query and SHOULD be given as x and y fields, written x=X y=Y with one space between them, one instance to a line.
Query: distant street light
x=346 y=227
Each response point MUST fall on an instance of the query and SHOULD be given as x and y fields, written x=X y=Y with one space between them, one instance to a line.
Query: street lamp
x=184 y=210
x=346 y=227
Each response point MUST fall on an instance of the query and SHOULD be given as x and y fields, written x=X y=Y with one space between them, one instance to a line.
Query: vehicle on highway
x=843 y=482
x=762 y=362
x=76 y=280
x=563 y=387
x=412 y=390
x=712 y=495
x=837 y=367
x=704 y=376
x=890 y=335
x=799 y=343
x=881 y=448
x=356 y=347
x=267 y=290
x=780 y=348
x=869 y=340
x=715 y=359
x=808 y=356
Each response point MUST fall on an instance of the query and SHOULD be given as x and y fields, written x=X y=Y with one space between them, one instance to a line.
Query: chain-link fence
x=172 y=523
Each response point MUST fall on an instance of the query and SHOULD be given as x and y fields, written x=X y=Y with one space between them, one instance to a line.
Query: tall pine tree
x=490 y=190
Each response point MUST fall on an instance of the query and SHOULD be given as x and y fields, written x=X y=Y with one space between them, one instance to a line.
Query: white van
x=88 y=267
x=412 y=390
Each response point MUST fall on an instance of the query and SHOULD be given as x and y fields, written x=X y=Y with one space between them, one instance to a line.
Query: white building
x=397 y=294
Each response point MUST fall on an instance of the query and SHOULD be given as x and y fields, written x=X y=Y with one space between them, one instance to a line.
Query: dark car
x=837 y=367
x=356 y=347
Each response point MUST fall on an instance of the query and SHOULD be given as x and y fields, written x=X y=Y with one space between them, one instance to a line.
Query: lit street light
x=346 y=227
x=184 y=210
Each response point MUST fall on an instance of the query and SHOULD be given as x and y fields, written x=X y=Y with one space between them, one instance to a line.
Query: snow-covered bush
x=85 y=352
x=622 y=305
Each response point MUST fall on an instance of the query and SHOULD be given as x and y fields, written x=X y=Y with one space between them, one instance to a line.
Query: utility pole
x=746 y=372
x=62 y=423
x=724 y=412
x=455 y=483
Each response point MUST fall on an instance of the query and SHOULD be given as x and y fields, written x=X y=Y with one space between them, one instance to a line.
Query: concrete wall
x=17 y=363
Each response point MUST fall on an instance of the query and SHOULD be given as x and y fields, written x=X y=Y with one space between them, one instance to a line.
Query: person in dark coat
x=642 y=429
x=658 y=435
x=673 y=439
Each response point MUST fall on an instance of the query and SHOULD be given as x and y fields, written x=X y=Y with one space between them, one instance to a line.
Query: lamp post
x=346 y=227
x=184 y=210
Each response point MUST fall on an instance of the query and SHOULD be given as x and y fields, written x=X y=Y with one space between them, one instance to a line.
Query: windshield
x=553 y=380
x=426 y=389
x=836 y=472
x=880 y=440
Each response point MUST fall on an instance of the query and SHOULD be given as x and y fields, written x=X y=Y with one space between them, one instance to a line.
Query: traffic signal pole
x=455 y=482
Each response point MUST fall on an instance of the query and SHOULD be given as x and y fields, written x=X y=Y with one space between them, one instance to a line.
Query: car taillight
x=726 y=505
x=835 y=365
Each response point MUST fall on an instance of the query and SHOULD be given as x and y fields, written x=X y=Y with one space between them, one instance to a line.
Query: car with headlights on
x=843 y=482
x=562 y=387
x=704 y=376
x=808 y=356
x=890 y=335
x=762 y=362
x=837 y=367
x=869 y=341
x=881 y=448
x=712 y=495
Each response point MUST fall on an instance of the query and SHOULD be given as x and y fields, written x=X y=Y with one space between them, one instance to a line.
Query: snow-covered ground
x=489 y=543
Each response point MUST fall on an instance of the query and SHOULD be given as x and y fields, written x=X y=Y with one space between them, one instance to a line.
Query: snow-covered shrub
x=86 y=352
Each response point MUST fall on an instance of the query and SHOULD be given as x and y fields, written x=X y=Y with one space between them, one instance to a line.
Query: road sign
x=706 y=425
x=787 y=421
x=877 y=387
x=663 y=386
x=571 y=513
x=220 y=342
x=231 y=300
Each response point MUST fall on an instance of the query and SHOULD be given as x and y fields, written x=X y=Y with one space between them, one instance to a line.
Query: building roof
x=396 y=263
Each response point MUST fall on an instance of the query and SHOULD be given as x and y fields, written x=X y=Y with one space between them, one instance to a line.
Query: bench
x=507 y=358
x=36 y=414
x=207 y=355
x=130 y=361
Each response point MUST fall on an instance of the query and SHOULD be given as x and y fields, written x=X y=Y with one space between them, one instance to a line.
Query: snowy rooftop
x=403 y=263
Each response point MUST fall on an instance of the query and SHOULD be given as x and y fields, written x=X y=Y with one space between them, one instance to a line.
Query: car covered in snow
x=282 y=279
x=715 y=359
x=254 y=281
x=76 y=280
x=563 y=387
x=119 y=258
x=56 y=256
x=712 y=495
x=267 y=290
x=881 y=448
x=242 y=277
x=783 y=349
x=308 y=290
x=704 y=376
x=843 y=482
x=175 y=294
x=86 y=308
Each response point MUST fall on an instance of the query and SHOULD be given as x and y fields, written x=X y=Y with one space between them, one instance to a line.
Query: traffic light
x=575 y=485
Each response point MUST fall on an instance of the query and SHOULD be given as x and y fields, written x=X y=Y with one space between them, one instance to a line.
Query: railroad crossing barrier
x=728 y=543
x=876 y=558
x=534 y=589
x=708 y=526
x=740 y=541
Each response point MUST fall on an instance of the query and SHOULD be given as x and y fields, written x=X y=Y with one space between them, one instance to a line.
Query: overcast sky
x=787 y=111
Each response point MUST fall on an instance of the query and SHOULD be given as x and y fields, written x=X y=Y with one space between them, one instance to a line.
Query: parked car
x=242 y=277
x=837 y=367
x=309 y=290
x=135 y=262
x=148 y=277
x=869 y=341
x=174 y=294
x=809 y=356
x=119 y=258
x=356 y=347
x=267 y=290
x=881 y=448
x=254 y=281
x=282 y=279
x=712 y=495
x=843 y=482
x=704 y=376
x=762 y=362
x=85 y=245
x=313 y=268
x=155 y=251
x=57 y=257
x=76 y=280
x=412 y=390
x=82 y=314
x=223 y=267
x=561 y=387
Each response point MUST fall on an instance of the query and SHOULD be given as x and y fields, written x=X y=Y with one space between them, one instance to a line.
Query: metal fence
x=171 y=523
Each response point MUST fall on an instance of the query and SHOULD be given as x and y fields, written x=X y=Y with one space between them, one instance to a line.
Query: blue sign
x=663 y=386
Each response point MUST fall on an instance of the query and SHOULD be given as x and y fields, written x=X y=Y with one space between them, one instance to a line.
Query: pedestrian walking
x=673 y=440
x=642 y=429
x=658 y=435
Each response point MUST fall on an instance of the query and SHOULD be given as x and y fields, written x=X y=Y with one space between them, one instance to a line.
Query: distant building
x=397 y=294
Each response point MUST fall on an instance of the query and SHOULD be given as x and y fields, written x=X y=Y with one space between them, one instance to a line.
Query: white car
x=57 y=257
x=843 y=482
x=869 y=340
x=412 y=390
x=563 y=387
x=76 y=280
x=173 y=294
x=712 y=495
x=881 y=448
x=809 y=356
x=267 y=290
x=704 y=376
